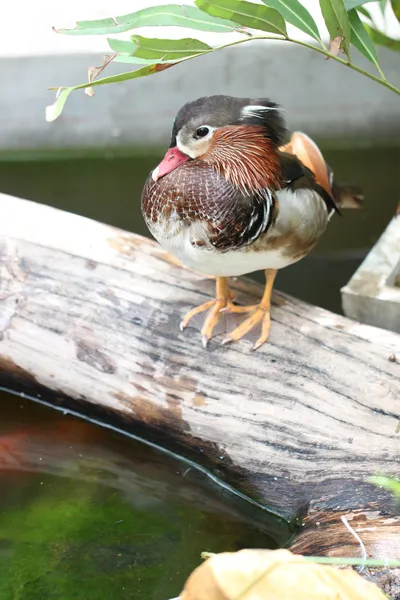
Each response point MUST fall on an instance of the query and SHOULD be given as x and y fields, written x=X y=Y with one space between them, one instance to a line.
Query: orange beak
x=172 y=160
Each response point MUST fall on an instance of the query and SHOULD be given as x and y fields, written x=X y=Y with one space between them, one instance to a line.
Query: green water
x=88 y=514
x=108 y=188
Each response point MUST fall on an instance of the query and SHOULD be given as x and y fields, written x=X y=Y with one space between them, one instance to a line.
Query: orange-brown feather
x=246 y=157
x=310 y=155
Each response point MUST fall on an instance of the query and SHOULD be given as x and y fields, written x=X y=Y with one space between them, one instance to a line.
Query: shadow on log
x=89 y=320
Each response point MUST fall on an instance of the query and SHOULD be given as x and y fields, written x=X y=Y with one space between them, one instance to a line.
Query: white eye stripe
x=256 y=110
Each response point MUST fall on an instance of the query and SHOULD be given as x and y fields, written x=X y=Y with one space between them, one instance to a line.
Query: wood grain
x=89 y=319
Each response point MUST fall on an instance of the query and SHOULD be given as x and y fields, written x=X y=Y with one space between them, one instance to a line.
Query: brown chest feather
x=196 y=192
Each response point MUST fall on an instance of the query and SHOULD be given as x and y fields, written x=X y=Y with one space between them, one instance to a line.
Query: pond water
x=89 y=514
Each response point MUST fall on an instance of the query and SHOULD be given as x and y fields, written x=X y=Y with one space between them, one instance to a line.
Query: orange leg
x=223 y=299
x=261 y=314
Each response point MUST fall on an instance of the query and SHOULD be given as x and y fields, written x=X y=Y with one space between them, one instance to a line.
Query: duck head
x=239 y=137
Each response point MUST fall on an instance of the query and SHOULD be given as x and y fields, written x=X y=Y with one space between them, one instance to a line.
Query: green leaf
x=363 y=11
x=162 y=49
x=135 y=60
x=383 y=4
x=349 y=4
x=382 y=40
x=396 y=8
x=177 y=15
x=254 y=16
x=121 y=46
x=361 y=40
x=337 y=21
x=126 y=53
x=294 y=13
x=54 y=111
x=387 y=482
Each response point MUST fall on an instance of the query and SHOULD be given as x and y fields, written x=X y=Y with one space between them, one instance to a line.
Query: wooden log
x=89 y=319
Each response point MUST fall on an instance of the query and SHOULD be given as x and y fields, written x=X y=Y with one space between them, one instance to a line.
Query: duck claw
x=260 y=315
x=205 y=340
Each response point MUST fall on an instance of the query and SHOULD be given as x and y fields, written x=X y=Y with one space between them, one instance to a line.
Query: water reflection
x=86 y=513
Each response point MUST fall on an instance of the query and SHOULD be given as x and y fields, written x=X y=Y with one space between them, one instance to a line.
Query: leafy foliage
x=360 y=38
x=348 y=23
x=164 y=50
x=380 y=39
x=337 y=21
x=294 y=13
x=248 y=14
x=349 y=4
x=178 y=15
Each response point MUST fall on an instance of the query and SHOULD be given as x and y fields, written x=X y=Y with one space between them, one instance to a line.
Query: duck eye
x=202 y=132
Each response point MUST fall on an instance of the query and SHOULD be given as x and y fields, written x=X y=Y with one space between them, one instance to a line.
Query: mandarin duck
x=234 y=194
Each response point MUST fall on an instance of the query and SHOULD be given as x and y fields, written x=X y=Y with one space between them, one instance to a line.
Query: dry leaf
x=334 y=45
x=161 y=67
x=274 y=575
x=94 y=72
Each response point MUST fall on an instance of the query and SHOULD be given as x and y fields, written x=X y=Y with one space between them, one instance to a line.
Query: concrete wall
x=372 y=295
x=327 y=100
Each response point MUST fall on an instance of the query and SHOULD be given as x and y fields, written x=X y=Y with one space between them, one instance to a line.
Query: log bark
x=89 y=320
